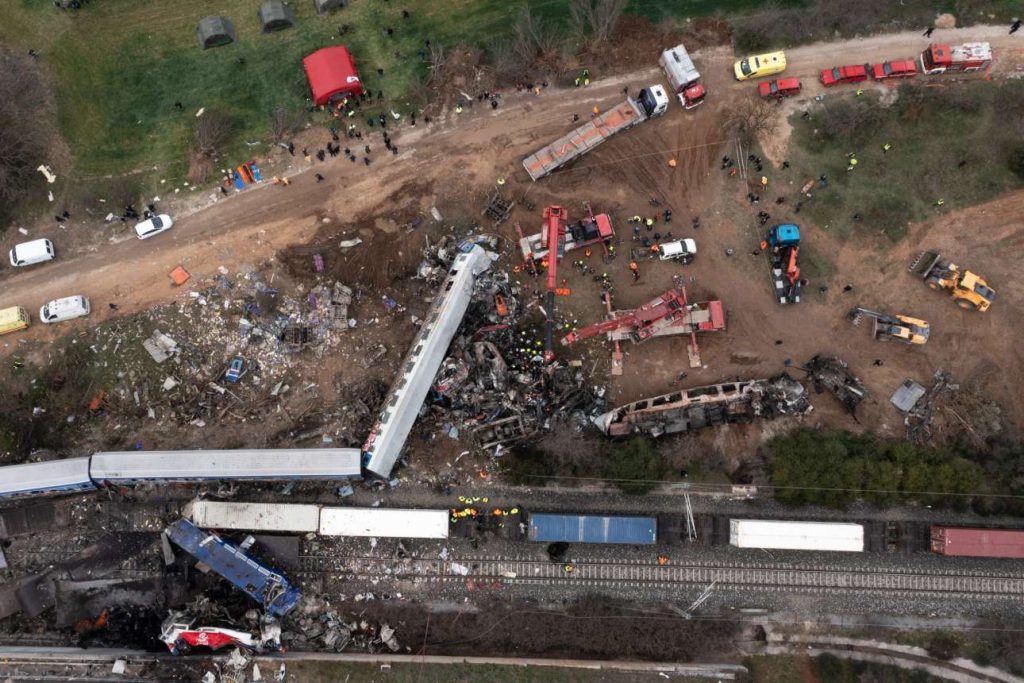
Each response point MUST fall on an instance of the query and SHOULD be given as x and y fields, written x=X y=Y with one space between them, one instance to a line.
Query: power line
x=727 y=487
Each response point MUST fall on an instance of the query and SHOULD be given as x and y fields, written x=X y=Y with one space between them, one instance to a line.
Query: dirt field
x=452 y=163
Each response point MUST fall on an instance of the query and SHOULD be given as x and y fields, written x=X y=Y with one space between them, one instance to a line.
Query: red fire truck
x=940 y=58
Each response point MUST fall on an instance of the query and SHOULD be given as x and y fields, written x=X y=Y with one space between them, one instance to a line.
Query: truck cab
x=784 y=235
x=653 y=100
x=683 y=76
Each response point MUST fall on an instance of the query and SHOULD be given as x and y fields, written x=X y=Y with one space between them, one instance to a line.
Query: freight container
x=972 y=542
x=549 y=528
x=384 y=523
x=780 y=535
x=272 y=517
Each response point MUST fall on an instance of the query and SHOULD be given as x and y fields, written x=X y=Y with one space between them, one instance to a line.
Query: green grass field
x=120 y=65
x=949 y=142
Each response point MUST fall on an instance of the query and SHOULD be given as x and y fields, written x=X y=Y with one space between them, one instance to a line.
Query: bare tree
x=282 y=123
x=753 y=118
x=596 y=17
x=211 y=130
x=534 y=37
x=26 y=108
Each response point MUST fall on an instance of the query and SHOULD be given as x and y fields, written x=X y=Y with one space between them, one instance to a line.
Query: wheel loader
x=969 y=290
x=889 y=327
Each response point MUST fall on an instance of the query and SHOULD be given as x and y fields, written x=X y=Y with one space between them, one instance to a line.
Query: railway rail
x=770 y=577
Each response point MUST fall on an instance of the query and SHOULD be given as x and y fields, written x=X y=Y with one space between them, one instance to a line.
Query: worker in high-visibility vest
x=635 y=269
x=671 y=163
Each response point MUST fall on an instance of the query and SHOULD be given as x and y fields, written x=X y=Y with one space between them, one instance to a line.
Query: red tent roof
x=331 y=71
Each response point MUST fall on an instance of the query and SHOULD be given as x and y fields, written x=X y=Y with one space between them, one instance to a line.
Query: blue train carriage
x=256 y=580
x=42 y=478
x=553 y=528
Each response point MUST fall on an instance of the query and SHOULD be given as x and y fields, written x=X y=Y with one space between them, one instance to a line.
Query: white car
x=153 y=226
x=681 y=250
x=65 y=309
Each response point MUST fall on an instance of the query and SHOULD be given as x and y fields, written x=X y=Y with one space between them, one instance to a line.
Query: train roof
x=384 y=522
x=548 y=528
x=52 y=475
x=259 y=464
x=275 y=517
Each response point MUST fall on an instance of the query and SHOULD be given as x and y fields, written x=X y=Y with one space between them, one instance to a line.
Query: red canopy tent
x=331 y=72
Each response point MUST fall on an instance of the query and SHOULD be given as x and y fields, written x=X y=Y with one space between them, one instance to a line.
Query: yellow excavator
x=893 y=327
x=969 y=290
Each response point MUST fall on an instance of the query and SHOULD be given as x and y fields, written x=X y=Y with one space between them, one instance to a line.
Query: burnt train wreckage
x=715 y=404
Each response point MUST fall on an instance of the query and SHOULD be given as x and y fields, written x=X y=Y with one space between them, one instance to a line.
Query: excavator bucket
x=924 y=263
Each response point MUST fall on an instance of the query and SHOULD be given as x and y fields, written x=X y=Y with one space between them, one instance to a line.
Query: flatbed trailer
x=652 y=102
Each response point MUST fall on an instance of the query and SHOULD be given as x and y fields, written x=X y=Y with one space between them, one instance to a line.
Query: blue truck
x=256 y=580
x=550 y=528
x=782 y=245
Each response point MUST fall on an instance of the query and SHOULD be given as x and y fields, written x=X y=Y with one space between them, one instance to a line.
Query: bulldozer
x=889 y=327
x=969 y=290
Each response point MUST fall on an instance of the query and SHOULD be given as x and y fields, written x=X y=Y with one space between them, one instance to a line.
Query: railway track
x=768 y=577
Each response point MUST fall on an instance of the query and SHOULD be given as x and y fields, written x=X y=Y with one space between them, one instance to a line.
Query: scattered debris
x=160 y=346
x=833 y=374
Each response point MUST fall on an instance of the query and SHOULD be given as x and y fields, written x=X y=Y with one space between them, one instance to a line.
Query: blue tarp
x=259 y=582
x=548 y=528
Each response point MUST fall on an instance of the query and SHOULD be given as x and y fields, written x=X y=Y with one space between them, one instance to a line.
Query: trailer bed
x=583 y=139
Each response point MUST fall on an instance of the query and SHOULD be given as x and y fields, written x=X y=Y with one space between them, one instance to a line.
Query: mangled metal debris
x=919 y=414
x=716 y=404
x=833 y=374
x=160 y=346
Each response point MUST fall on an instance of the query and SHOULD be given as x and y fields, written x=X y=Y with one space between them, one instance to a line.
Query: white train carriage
x=41 y=478
x=272 y=517
x=383 y=522
x=283 y=464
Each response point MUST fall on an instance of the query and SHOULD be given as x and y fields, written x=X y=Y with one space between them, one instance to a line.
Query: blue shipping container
x=260 y=583
x=593 y=529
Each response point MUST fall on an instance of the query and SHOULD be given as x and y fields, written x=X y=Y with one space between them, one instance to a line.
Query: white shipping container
x=778 y=535
x=207 y=514
x=384 y=522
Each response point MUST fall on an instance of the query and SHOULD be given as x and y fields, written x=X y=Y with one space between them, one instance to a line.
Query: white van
x=64 y=309
x=30 y=253
x=680 y=250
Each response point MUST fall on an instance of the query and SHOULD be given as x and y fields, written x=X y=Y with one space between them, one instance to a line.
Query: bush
x=837 y=468
x=1016 y=162
x=943 y=646
x=634 y=466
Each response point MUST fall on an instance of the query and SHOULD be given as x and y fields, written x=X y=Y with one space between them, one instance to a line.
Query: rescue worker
x=567 y=568
x=458 y=108
x=859 y=92
x=886 y=147
x=635 y=269
x=595 y=111
x=668 y=216
x=635 y=219
x=671 y=163
x=650 y=224
x=940 y=202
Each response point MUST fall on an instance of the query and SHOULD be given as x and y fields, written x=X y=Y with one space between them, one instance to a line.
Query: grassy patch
x=121 y=65
x=324 y=672
x=950 y=143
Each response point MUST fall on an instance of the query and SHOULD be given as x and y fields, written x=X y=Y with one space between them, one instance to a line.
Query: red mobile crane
x=667 y=314
x=554 y=243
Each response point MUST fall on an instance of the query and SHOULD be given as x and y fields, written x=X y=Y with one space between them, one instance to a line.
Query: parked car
x=854 y=73
x=680 y=250
x=236 y=370
x=64 y=309
x=30 y=253
x=900 y=68
x=779 y=88
x=153 y=226
x=757 y=66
